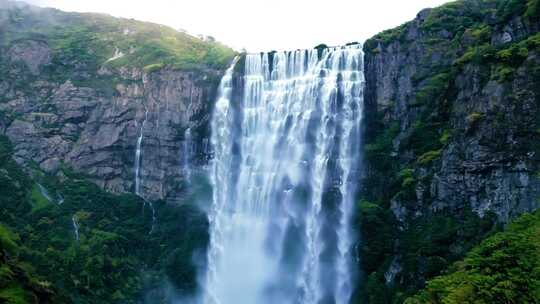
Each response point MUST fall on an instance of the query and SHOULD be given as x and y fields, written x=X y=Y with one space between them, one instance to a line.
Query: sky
x=262 y=25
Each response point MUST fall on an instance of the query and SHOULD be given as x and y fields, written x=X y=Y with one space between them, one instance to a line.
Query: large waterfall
x=286 y=137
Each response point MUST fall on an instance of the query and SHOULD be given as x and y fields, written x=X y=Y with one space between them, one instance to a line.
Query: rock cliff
x=452 y=136
x=63 y=103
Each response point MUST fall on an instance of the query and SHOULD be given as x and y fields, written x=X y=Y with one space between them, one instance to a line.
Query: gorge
x=140 y=164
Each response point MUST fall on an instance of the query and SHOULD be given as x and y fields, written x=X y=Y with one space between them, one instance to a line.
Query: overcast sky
x=262 y=25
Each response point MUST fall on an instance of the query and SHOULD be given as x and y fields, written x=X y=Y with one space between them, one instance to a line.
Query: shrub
x=445 y=137
x=429 y=157
x=474 y=117
x=505 y=268
x=432 y=89
x=153 y=67
x=7 y=241
x=407 y=177
x=513 y=55
x=533 y=9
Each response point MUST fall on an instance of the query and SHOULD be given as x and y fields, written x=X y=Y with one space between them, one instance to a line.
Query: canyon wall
x=63 y=103
x=452 y=137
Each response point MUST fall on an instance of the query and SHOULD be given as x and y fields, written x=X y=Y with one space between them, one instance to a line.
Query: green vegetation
x=407 y=175
x=474 y=117
x=505 y=268
x=503 y=60
x=37 y=199
x=18 y=282
x=454 y=42
x=432 y=89
x=116 y=258
x=445 y=137
x=433 y=243
x=82 y=44
x=94 y=39
x=387 y=36
x=429 y=157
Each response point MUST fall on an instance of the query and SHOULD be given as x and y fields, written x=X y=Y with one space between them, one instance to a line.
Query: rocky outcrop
x=78 y=89
x=94 y=128
x=32 y=53
x=452 y=139
x=489 y=159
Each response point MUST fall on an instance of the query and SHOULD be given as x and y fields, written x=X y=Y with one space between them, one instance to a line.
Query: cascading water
x=187 y=152
x=75 y=227
x=138 y=153
x=285 y=136
x=44 y=192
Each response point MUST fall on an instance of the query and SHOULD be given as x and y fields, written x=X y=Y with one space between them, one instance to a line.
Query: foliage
x=84 y=45
x=379 y=152
x=375 y=224
x=460 y=38
x=7 y=241
x=533 y=9
x=387 y=36
x=429 y=157
x=18 y=284
x=432 y=89
x=445 y=137
x=116 y=257
x=505 y=268
x=474 y=117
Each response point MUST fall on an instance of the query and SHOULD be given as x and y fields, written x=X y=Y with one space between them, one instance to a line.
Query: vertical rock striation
x=452 y=137
x=96 y=134
x=76 y=96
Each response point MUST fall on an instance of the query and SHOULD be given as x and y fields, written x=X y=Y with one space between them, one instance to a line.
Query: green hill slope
x=505 y=268
x=95 y=39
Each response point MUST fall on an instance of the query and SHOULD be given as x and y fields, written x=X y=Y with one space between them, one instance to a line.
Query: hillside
x=71 y=242
x=80 y=89
x=96 y=39
x=77 y=92
x=505 y=268
x=452 y=143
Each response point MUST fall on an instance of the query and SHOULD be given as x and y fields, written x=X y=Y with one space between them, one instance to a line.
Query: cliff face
x=61 y=123
x=452 y=106
x=488 y=158
x=69 y=103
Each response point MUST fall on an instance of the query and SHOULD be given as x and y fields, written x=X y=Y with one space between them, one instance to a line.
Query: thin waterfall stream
x=186 y=154
x=75 y=227
x=286 y=142
x=138 y=160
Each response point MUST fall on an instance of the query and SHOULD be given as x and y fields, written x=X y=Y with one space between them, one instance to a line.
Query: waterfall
x=75 y=227
x=138 y=160
x=44 y=192
x=286 y=142
x=187 y=152
x=138 y=154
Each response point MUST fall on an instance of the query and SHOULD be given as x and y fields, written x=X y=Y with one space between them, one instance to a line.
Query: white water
x=138 y=153
x=75 y=227
x=117 y=55
x=44 y=192
x=138 y=160
x=187 y=152
x=286 y=151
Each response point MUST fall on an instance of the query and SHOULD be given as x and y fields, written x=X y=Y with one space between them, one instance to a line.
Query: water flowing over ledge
x=286 y=140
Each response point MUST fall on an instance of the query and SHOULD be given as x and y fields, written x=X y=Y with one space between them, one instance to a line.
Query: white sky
x=263 y=25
